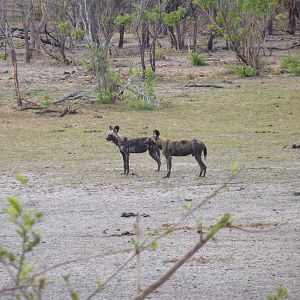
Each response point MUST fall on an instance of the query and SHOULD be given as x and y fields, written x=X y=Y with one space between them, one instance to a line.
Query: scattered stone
x=128 y=215
x=131 y=214
x=145 y=215
x=92 y=131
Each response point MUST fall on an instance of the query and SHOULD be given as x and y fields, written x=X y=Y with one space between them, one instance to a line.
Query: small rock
x=128 y=215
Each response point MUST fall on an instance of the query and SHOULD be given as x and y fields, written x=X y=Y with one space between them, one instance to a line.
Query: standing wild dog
x=179 y=148
x=127 y=146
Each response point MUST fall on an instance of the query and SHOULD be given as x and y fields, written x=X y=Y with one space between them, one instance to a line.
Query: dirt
x=249 y=261
x=74 y=178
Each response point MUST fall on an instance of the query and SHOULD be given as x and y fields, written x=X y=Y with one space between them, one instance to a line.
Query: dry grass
x=248 y=120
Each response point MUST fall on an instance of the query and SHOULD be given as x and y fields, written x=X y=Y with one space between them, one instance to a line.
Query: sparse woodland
x=59 y=28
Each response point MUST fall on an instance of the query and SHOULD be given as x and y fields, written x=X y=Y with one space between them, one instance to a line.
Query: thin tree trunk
x=121 y=36
x=27 y=44
x=16 y=80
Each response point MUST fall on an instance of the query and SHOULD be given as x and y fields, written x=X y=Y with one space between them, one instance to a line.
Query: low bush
x=196 y=59
x=291 y=64
x=243 y=71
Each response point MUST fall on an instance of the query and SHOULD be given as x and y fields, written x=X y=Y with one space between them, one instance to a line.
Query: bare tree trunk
x=173 y=39
x=210 y=41
x=195 y=25
x=145 y=36
x=27 y=44
x=121 y=35
x=270 y=26
x=16 y=80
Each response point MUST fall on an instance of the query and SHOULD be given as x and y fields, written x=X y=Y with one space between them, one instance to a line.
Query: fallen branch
x=60 y=113
x=72 y=96
x=283 y=49
x=192 y=84
x=29 y=105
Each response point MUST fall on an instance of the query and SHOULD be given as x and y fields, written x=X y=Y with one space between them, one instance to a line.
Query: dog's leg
x=169 y=166
x=201 y=165
x=127 y=163
x=153 y=153
x=124 y=162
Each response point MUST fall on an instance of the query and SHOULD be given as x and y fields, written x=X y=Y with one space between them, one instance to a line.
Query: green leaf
x=16 y=207
x=188 y=206
x=225 y=221
x=75 y=295
x=5 y=253
x=234 y=166
x=169 y=230
x=154 y=245
x=25 y=270
x=282 y=292
x=125 y=19
x=33 y=243
x=21 y=178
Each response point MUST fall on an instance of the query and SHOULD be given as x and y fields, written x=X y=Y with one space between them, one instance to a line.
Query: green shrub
x=108 y=95
x=140 y=104
x=243 y=71
x=160 y=53
x=291 y=64
x=150 y=81
x=196 y=59
x=87 y=64
x=46 y=102
x=104 y=96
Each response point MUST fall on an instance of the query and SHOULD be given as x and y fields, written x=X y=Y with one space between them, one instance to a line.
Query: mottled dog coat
x=127 y=146
x=179 y=148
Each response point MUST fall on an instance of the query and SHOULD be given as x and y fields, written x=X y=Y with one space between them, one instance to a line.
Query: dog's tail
x=205 y=151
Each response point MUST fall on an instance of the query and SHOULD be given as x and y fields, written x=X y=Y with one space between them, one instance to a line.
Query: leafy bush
x=108 y=95
x=140 y=104
x=46 y=102
x=160 y=53
x=291 y=64
x=87 y=64
x=125 y=19
x=150 y=81
x=243 y=71
x=196 y=59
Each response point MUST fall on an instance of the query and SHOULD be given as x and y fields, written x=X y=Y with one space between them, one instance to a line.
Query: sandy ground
x=85 y=220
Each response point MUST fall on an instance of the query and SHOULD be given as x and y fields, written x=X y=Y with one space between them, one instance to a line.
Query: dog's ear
x=110 y=128
x=116 y=129
x=156 y=133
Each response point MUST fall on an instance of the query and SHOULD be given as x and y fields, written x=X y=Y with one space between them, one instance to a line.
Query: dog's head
x=113 y=132
x=152 y=140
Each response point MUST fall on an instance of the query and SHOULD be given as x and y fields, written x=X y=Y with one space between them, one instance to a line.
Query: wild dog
x=179 y=148
x=127 y=146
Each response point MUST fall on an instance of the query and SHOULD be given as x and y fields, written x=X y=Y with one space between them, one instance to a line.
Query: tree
x=5 y=27
x=243 y=24
x=98 y=22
